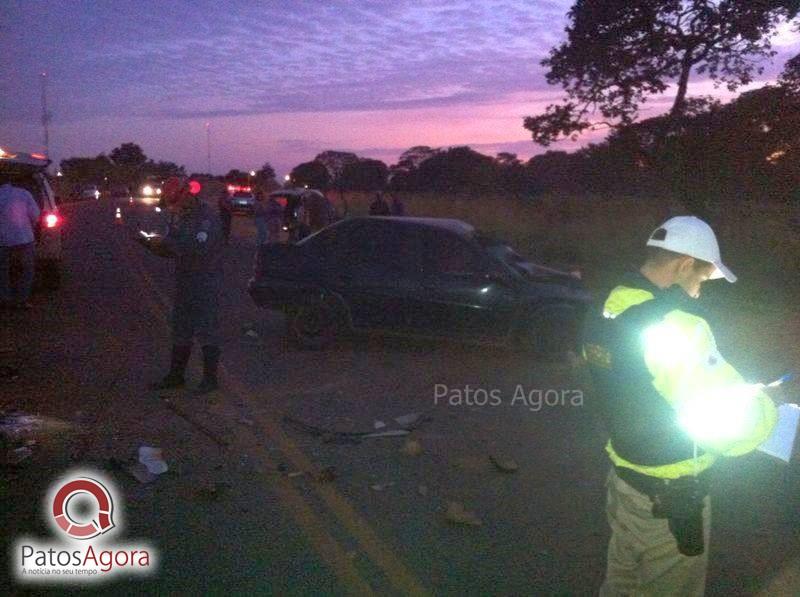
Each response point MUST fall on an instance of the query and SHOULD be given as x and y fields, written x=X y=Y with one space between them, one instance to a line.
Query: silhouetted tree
x=619 y=53
x=364 y=175
x=265 y=177
x=313 y=174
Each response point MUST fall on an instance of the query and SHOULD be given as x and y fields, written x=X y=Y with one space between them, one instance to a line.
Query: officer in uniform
x=672 y=406
x=193 y=240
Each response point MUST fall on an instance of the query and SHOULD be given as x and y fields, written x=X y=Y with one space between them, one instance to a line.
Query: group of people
x=267 y=215
x=381 y=207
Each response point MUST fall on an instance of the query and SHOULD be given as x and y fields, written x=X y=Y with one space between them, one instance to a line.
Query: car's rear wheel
x=553 y=331
x=316 y=323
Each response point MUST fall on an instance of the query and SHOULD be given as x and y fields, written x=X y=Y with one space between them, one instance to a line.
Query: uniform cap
x=691 y=236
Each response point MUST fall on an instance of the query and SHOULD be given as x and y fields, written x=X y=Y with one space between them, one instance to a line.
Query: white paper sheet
x=781 y=443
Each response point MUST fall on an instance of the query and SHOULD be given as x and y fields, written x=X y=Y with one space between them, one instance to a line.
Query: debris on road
x=412 y=448
x=381 y=486
x=407 y=421
x=246 y=421
x=153 y=460
x=379 y=424
x=294 y=474
x=326 y=475
x=19 y=426
x=456 y=513
x=422 y=490
x=251 y=334
x=389 y=433
x=141 y=473
x=213 y=492
x=20 y=454
x=505 y=465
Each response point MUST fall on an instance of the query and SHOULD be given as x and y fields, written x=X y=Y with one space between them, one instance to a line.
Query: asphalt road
x=247 y=506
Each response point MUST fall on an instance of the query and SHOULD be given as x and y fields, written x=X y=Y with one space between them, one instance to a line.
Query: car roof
x=20 y=158
x=296 y=192
x=450 y=224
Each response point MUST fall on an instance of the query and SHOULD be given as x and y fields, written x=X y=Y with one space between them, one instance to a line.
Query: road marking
x=396 y=572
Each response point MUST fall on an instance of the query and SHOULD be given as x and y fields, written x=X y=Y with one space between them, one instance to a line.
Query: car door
x=464 y=295
x=378 y=275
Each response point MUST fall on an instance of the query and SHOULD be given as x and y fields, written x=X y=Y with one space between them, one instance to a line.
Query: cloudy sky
x=280 y=81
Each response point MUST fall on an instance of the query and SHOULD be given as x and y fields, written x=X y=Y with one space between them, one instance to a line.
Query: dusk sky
x=282 y=81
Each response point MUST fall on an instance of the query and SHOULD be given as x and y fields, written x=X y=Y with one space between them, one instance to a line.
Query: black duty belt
x=652 y=486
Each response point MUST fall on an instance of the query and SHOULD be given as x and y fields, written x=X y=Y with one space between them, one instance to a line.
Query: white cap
x=691 y=236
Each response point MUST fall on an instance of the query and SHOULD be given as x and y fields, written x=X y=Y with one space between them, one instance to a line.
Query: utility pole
x=46 y=116
x=208 y=145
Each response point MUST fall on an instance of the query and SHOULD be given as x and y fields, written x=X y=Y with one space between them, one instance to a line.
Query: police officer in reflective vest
x=672 y=406
x=194 y=241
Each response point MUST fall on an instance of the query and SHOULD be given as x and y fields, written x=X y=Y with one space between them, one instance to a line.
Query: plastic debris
x=251 y=334
x=17 y=426
x=20 y=454
x=505 y=465
x=407 y=420
x=422 y=490
x=294 y=474
x=141 y=473
x=457 y=514
x=152 y=459
x=379 y=424
x=412 y=448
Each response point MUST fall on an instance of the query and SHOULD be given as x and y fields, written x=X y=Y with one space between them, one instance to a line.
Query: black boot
x=209 y=382
x=174 y=379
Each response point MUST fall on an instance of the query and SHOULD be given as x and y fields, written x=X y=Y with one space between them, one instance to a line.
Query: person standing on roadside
x=193 y=241
x=225 y=214
x=379 y=207
x=260 y=219
x=274 y=217
x=18 y=217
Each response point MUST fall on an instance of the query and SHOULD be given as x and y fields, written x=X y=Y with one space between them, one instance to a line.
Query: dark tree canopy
x=312 y=174
x=335 y=162
x=87 y=170
x=619 y=53
x=129 y=156
x=265 y=177
x=364 y=175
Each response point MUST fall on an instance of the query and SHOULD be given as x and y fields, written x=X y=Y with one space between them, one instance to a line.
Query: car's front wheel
x=553 y=331
x=316 y=323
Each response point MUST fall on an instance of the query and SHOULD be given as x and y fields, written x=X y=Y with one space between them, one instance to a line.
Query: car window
x=447 y=253
x=383 y=244
x=242 y=194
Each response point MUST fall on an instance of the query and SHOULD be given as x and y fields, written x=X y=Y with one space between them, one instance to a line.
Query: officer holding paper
x=194 y=241
x=672 y=406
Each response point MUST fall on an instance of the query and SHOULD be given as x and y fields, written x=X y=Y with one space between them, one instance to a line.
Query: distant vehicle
x=242 y=198
x=89 y=192
x=419 y=276
x=150 y=189
x=31 y=167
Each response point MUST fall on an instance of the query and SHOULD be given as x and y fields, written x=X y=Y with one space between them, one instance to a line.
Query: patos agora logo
x=84 y=511
x=78 y=488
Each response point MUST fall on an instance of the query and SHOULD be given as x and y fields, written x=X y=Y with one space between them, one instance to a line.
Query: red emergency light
x=233 y=188
x=51 y=220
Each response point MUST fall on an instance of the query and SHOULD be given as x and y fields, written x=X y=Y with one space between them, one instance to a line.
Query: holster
x=680 y=501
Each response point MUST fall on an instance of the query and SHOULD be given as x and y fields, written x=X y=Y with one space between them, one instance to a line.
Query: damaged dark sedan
x=417 y=276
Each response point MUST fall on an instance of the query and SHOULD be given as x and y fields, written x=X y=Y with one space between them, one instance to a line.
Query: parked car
x=89 y=192
x=242 y=198
x=418 y=276
x=31 y=170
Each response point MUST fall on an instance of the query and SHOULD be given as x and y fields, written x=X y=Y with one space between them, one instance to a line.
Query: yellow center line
x=396 y=572
x=332 y=553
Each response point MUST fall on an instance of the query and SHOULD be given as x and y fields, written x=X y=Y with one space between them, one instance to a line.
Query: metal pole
x=208 y=145
x=45 y=116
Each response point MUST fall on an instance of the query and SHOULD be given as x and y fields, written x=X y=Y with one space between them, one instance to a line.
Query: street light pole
x=45 y=116
x=208 y=145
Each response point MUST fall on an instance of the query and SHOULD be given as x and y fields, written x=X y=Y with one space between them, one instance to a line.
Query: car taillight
x=51 y=220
